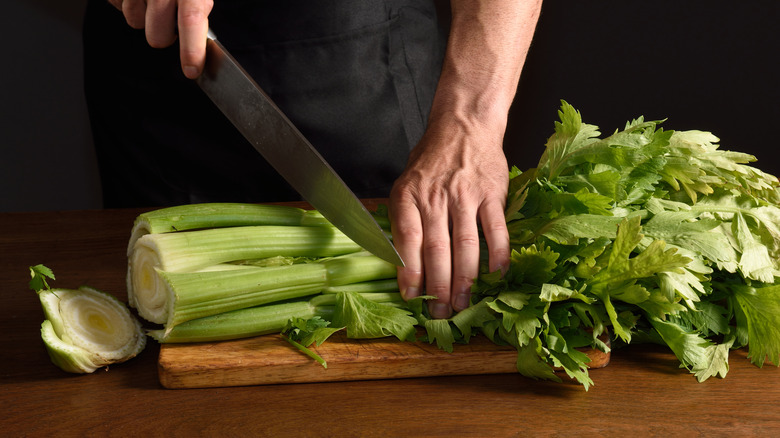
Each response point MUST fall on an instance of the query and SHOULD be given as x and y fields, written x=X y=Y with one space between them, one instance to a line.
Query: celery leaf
x=718 y=363
x=520 y=316
x=618 y=280
x=302 y=333
x=39 y=274
x=474 y=316
x=761 y=309
x=531 y=363
x=573 y=361
x=532 y=265
x=365 y=319
x=696 y=353
x=439 y=330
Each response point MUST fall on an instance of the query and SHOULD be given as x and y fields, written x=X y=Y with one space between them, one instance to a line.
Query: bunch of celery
x=650 y=235
x=225 y=271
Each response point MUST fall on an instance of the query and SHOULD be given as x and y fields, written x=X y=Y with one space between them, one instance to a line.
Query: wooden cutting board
x=271 y=360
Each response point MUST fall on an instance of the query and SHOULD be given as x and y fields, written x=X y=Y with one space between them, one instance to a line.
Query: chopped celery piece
x=86 y=329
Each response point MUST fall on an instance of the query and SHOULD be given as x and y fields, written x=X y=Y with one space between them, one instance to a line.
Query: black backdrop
x=706 y=65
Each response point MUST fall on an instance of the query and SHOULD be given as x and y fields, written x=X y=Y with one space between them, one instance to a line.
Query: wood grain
x=271 y=360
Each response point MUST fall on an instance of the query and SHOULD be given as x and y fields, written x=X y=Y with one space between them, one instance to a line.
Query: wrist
x=481 y=115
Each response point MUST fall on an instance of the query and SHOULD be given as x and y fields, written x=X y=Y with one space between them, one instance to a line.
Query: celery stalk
x=260 y=320
x=193 y=250
x=219 y=215
x=193 y=295
x=220 y=271
x=388 y=285
x=243 y=323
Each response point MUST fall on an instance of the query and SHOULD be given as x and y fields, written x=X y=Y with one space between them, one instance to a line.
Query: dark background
x=46 y=157
x=707 y=65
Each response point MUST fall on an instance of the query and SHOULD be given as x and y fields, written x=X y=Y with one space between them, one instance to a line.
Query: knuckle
x=195 y=13
x=496 y=227
x=463 y=280
x=437 y=246
x=409 y=274
x=466 y=241
x=158 y=41
x=437 y=289
x=500 y=253
x=407 y=233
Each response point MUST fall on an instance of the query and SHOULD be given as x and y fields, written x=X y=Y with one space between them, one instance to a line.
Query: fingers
x=444 y=262
x=134 y=12
x=193 y=28
x=437 y=256
x=496 y=235
x=406 y=228
x=439 y=241
x=465 y=253
x=466 y=248
x=116 y=3
x=166 y=20
x=160 y=23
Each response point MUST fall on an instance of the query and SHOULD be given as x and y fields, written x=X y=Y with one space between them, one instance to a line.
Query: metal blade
x=287 y=150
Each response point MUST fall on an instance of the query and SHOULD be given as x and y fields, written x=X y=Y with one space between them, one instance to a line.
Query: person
x=439 y=104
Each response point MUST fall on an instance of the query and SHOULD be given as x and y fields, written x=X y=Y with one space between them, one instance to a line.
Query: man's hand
x=166 y=20
x=457 y=176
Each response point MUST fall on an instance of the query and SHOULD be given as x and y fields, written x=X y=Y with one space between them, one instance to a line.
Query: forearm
x=487 y=47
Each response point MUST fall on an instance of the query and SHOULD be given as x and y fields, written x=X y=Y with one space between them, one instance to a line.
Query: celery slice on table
x=86 y=329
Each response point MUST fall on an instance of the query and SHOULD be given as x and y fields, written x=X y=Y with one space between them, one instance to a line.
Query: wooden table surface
x=642 y=391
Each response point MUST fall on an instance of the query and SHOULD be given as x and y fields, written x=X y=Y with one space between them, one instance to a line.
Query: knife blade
x=277 y=139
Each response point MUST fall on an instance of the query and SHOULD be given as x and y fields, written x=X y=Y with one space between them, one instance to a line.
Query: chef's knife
x=276 y=138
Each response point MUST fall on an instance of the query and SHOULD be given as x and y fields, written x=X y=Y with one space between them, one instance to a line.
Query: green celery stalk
x=195 y=295
x=189 y=251
x=388 y=285
x=260 y=320
x=220 y=215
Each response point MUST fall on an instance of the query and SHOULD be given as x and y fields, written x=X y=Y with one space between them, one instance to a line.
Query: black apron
x=357 y=77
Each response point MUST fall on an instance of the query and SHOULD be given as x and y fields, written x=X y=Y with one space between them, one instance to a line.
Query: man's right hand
x=166 y=20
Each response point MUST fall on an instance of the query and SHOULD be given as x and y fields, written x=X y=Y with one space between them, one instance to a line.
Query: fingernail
x=190 y=71
x=441 y=311
x=411 y=292
x=461 y=301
